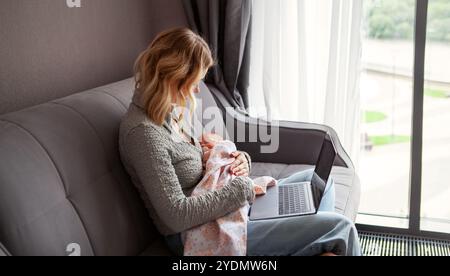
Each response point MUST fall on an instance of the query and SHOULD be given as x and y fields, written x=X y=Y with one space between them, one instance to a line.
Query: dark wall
x=48 y=50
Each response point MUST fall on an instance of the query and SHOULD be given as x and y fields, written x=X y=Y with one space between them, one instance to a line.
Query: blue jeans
x=323 y=232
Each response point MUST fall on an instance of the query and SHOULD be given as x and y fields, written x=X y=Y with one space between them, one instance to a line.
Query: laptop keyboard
x=291 y=199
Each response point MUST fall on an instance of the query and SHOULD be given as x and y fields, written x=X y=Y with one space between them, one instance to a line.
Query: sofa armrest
x=297 y=143
x=3 y=251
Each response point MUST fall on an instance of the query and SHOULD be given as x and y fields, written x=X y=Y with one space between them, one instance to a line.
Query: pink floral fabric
x=226 y=236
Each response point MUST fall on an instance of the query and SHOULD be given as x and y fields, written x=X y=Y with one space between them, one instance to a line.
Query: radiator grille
x=377 y=244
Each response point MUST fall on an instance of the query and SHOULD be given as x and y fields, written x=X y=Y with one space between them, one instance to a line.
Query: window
x=386 y=99
x=391 y=186
x=435 y=211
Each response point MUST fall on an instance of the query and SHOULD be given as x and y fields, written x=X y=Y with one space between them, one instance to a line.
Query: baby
x=225 y=236
x=209 y=140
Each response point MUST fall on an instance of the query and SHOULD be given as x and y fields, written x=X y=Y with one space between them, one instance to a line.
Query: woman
x=165 y=162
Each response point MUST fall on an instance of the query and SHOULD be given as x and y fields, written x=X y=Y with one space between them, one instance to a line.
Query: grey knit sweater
x=165 y=171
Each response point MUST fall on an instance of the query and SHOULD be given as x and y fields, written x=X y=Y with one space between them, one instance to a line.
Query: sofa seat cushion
x=346 y=183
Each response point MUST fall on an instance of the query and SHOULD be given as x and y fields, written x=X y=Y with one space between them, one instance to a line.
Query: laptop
x=297 y=199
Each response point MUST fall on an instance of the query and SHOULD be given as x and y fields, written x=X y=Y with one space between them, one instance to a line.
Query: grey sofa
x=3 y=251
x=62 y=181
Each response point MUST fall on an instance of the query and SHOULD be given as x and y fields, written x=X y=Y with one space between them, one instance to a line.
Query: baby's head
x=209 y=140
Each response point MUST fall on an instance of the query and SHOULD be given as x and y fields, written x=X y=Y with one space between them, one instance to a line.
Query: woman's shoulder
x=136 y=122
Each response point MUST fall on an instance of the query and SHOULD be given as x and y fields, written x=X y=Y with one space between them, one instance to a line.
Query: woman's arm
x=150 y=158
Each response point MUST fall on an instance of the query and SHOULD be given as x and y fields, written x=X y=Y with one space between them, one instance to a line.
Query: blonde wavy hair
x=167 y=69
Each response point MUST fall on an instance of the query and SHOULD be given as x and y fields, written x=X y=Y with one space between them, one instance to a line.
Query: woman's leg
x=303 y=236
x=328 y=200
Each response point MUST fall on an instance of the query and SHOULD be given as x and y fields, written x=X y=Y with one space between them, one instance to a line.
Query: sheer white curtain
x=305 y=64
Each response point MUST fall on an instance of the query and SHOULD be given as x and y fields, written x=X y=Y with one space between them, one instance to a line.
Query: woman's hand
x=240 y=166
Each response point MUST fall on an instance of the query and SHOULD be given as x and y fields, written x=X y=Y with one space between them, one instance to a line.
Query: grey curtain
x=226 y=26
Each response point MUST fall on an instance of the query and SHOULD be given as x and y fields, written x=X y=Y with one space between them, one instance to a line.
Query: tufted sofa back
x=62 y=181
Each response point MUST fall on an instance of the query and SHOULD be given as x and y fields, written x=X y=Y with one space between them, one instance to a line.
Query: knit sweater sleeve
x=148 y=152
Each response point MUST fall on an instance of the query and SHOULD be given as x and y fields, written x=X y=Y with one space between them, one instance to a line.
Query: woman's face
x=193 y=89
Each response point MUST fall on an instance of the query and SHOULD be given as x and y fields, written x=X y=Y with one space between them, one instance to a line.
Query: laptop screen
x=326 y=159
x=322 y=172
